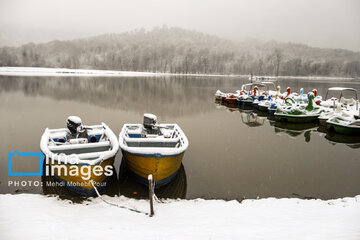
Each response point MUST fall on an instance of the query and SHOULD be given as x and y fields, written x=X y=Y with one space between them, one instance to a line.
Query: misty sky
x=319 y=23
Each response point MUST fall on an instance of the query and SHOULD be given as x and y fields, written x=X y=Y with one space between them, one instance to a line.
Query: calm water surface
x=233 y=154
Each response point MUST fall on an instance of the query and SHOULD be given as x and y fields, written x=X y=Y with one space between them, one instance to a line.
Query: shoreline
x=39 y=71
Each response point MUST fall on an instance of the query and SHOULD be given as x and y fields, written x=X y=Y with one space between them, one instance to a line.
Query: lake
x=233 y=153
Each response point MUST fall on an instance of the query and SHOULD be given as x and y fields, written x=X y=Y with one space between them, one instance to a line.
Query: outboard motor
x=150 y=120
x=74 y=124
x=150 y=123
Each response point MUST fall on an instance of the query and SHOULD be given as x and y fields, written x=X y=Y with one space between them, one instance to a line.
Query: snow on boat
x=152 y=148
x=79 y=154
x=338 y=112
x=301 y=97
x=341 y=106
x=299 y=113
x=339 y=99
x=349 y=126
x=232 y=98
x=219 y=95
x=255 y=91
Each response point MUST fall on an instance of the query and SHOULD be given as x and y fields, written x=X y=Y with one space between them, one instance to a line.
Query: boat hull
x=263 y=108
x=342 y=129
x=163 y=167
x=295 y=119
x=246 y=103
x=271 y=111
x=322 y=121
x=232 y=101
x=76 y=183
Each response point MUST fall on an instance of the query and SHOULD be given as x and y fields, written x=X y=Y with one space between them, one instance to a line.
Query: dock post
x=151 y=195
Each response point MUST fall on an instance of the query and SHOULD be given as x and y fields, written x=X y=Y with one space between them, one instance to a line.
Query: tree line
x=177 y=50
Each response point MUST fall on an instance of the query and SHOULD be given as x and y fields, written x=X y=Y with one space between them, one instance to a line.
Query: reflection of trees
x=162 y=95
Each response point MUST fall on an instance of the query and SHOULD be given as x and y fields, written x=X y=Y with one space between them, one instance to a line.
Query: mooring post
x=151 y=195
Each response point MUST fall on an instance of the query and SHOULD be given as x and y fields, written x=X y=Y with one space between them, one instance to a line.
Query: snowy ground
x=33 y=216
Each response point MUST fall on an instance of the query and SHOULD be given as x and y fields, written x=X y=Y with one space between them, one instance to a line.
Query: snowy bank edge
x=38 y=71
x=32 y=71
x=355 y=199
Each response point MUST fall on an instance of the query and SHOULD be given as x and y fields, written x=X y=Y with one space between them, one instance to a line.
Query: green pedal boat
x=298 y=113
x=342 y=125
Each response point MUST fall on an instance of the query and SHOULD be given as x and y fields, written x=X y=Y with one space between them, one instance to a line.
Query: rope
x=114 y=204
x=154 y=183
x=155 y=197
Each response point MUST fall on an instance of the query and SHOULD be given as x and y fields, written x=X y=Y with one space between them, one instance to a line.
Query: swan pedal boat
x=298 y=113
x=99 y=149
x=152 y=148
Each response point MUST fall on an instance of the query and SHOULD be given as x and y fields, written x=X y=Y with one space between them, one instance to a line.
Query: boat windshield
x=339 y=92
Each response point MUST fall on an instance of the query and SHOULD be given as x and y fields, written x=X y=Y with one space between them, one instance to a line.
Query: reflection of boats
x=53 y=186
x=252 y=119
x=152 y=148
x=262 y=113
x=348 y=140
x=231 y=109
x=130 y=187
x=80 y=154
x=294 y=130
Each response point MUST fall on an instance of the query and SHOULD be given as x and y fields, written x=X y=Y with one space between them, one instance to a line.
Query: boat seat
x=154 y=142
x=80 y=148
x=355 y=123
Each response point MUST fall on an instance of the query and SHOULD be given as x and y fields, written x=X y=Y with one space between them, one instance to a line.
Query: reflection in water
x=220 y=161
x=52 y=186
x=129 y=187
x=295 y=129
x=251 y=119
x=348 y=140
x=163 y=95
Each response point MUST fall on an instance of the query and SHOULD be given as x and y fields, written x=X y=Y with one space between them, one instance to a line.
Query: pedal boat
x=152 y=148
x=98 y=150
x=339 y=106
x=342 y=125
x=298 y=113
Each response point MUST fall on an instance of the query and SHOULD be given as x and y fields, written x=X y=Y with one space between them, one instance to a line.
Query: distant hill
x=181 y=51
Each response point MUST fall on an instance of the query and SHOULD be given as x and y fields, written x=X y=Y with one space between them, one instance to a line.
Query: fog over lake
x=320 y=23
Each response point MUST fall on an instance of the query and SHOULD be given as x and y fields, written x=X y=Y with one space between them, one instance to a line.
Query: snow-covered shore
x=32 y=71
x=35 y=71
x=33 y=216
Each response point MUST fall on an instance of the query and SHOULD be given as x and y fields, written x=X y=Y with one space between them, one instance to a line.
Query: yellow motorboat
x=152 y=148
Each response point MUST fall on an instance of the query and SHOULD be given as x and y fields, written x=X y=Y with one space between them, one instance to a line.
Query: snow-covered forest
x=176 y=50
